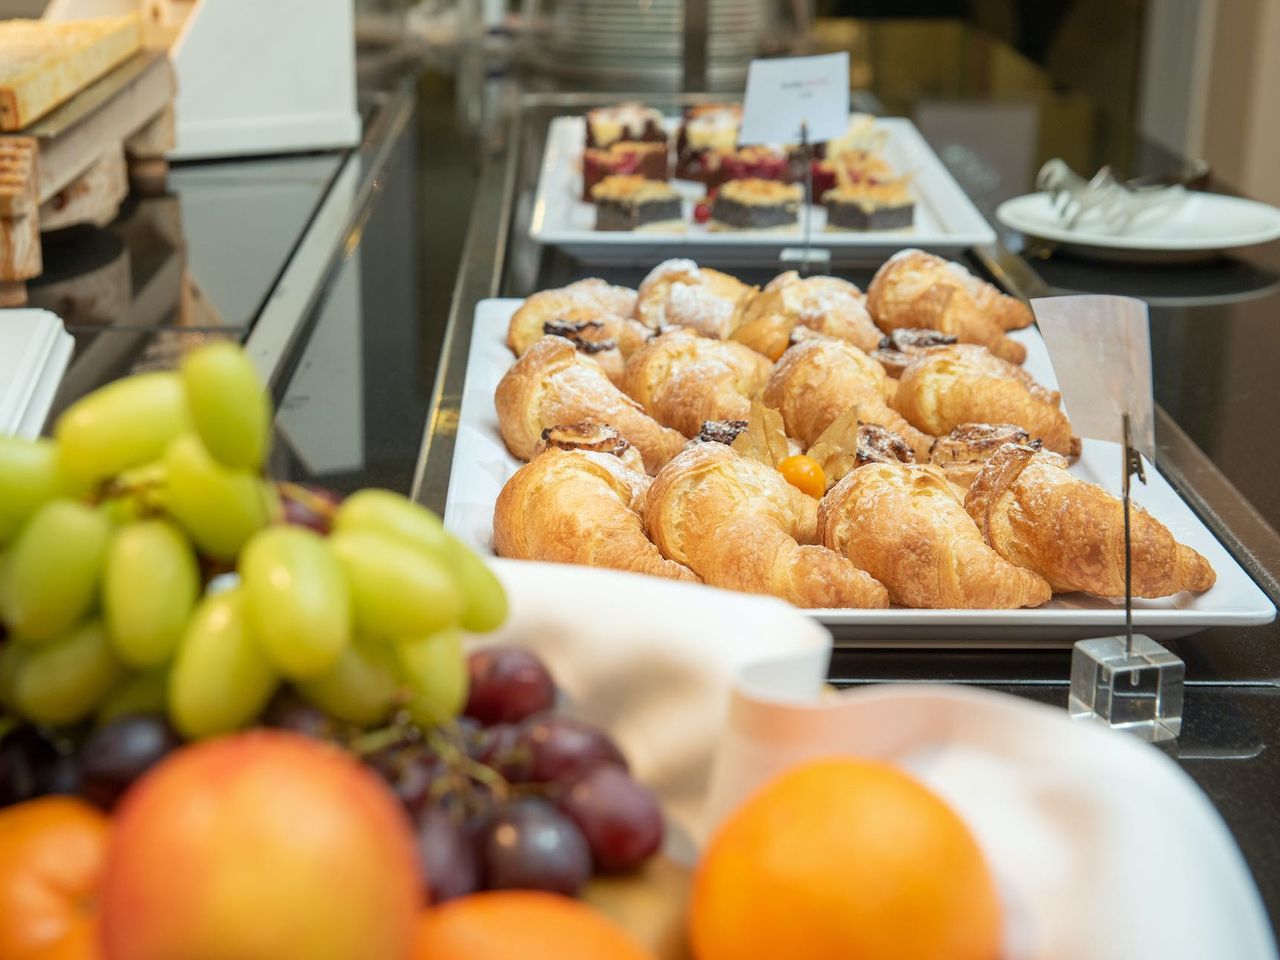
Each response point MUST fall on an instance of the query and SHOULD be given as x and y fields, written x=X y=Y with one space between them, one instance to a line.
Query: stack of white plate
x=34 y=351
x=645 y=38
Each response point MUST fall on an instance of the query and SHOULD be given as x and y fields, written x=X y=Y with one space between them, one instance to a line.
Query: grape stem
x=321 y=506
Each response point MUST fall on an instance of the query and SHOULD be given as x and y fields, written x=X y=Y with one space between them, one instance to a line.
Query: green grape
x=146 y=692
x=12 y=656
x=220 y=678
x=29 y=476
x=360 y=688
x=54 y=569
x=6 y=585
x=228 y=405
x=435 y=669
x=397 y=517
x=121 y=425
x=61 y=682
x=395 y=590
x=296 y=600
x=149 y=588
x=219 y=508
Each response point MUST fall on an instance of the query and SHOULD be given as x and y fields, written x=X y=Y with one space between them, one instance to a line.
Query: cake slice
x=755 y=204
x=633 y=202
x=743 y=163
x=624 y=121
x=868 y=205
x=705 y=128
x=648 y=158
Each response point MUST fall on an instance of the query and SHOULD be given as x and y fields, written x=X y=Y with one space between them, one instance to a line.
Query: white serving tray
x=481 y=465
x=34 y=351
x=946 y=222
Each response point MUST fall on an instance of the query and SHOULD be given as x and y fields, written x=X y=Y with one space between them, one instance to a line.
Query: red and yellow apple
x=260 y=846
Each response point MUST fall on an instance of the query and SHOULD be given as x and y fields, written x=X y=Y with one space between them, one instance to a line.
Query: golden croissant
x=904 y=525
x=682 y=379
x=579 y=506
x=827 y=305
x=679 y=293
x=738 y=524
x=918 y=289
x=964 y=383
x=820 y=380
x=1035 y=513
x=582 y=315
x=552 y=385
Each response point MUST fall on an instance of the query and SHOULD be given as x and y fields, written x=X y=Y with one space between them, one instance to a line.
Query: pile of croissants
x=655 y=421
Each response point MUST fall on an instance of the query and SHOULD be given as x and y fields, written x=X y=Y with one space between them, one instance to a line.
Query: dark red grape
x=289 y=712
x=25 y=758
x=620 y=819
x=119 y=752
x=503 y=748
x=63 y=776
x=447 y=854
x=528 y=844
x=562 y=749
x=507 y=685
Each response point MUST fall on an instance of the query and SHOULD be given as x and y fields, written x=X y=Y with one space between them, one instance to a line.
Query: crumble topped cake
x=870 y=205
x=648 y=158
x=705 y=128
x=755 y=204
x=633 y=202
x=719 y=166
x=624 y=121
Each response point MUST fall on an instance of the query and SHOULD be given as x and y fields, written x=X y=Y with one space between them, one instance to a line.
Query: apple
x=260 y=846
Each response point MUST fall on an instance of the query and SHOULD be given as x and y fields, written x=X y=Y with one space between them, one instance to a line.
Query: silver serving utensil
x=1105 y=201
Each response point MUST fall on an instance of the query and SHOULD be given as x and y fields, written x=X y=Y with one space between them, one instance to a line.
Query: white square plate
x=481 y=465
x=945 y=219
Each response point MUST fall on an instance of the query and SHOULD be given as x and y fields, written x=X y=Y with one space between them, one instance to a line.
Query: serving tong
x=1112 y=203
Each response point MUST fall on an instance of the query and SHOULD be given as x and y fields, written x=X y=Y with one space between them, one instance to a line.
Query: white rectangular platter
x=481 y=465
x=946 y=222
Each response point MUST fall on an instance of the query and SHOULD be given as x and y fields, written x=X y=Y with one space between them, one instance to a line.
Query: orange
x=844 y=858
x=52 y=853
x=503 y=924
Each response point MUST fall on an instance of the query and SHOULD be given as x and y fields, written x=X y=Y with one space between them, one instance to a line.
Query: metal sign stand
x=806 y=256
x=1128 y=682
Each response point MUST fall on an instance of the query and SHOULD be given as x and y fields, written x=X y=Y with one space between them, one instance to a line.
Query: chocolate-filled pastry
x=624 y=121
x=965 y=383
x=679 y=293
x=755 y=204
x=918 y=289
x=963 y=452
x=721 y=431
x=596 y=437
x=633 y=202
x=579 y=506
x=645 y=159
x=898 y=347
x=591 y=299
x=826 y=305
x=1032 y=511
x=904 y=525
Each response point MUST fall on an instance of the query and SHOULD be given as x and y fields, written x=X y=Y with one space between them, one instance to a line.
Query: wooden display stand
x=75 y=165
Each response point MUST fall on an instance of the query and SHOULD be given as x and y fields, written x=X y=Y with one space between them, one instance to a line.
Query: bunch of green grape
x=144 y=566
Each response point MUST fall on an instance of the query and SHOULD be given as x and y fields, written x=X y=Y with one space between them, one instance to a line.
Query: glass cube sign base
x=1139 y=692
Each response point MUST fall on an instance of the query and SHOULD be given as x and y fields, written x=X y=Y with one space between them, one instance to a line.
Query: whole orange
x=527 y=924
x=844 y=858
x=260 y=846
x=51 y=856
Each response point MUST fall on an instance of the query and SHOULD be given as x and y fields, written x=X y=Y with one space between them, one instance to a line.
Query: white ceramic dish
x=34 y=351
x=481 y=465
x=1200 y=225
x=945 y=220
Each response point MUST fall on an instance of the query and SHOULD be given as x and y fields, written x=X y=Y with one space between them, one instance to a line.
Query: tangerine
x=844 y=858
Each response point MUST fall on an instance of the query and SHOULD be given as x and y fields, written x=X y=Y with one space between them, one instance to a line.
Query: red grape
x=530 y=845
x=507 y=685
x=502 y=748
x=620 y=819
x=310 y=507
x=447 y=855
x=562 y=749
x=26 y=757
x=289 y=712
x=119 y=752
x=410 y=771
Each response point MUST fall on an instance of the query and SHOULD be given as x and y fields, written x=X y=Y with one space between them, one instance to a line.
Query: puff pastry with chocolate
x=682 y=379
x=553 y=384
x=918 y=289
x=679 y=293
x=739 y=525
x=579 y=506
x=964 y=383
x=586 y=300
x=819 y=380
x=1032 y=511
x=847 y=444
x=963 y=452
x=827 y=305
x=904 y=525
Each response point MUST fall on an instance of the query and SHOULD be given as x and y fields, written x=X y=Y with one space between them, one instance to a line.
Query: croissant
x=1035 y=513
x=963 y=452
x=738 y=524
x=918 y=289
x=552 y=384
x=679 y=293
x=828 y=305
x=682 y=379
x=904 y=525
x=964 y=383
x=579 y=506
x=577 y=315
x=818 y=380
